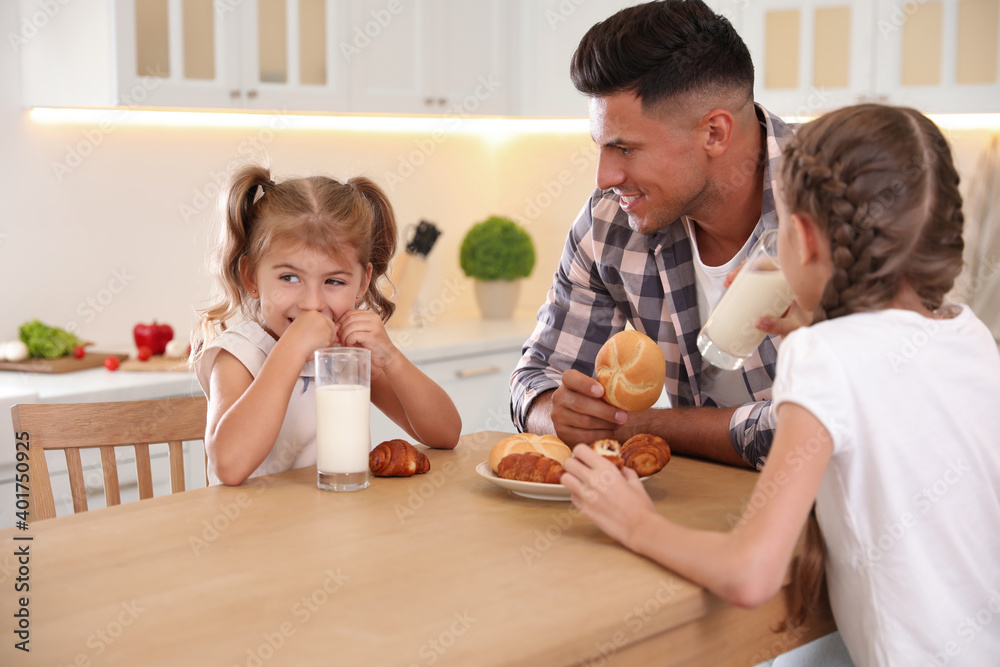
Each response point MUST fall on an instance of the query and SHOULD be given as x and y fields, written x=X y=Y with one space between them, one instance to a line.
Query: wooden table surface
x=438 y=569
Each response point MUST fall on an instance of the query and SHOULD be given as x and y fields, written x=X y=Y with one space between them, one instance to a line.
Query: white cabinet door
x=389 y=58
x=471 y=42
x=291 y=55
x=550 y=31
x=810 y=56
x=263 y=54
x=177 y=53
x=418 y=56
x=939 y=56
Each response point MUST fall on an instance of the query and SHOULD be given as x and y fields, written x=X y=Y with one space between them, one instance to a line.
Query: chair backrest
x=72 y=426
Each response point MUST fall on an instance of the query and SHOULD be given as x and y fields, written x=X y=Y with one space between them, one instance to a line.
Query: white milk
x=752 y=295
x=342 y=432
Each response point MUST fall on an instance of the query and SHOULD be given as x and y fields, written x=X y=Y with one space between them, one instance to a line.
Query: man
x=684 y=189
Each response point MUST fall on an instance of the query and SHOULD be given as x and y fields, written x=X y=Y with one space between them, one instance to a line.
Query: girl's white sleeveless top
x=296 y=443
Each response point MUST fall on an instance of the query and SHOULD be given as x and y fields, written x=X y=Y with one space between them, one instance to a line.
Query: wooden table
x=438 y=569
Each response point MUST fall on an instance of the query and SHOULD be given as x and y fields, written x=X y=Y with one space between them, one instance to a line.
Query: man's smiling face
x=654 y=165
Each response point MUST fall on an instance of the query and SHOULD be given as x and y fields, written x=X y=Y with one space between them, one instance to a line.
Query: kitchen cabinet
x=939 y=56
x=810 y=56
x=400 y=56
x=472 y=361
x=478 y=384
x=815 y=55
x=423 y=56
x=549 y=32
x=254 y=54
x=475 y=57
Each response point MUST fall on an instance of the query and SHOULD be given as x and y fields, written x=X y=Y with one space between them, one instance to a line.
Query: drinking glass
x=730 y=335
x=343 y=437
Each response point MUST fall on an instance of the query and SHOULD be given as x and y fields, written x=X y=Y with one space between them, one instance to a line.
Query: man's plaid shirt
x=610 y=275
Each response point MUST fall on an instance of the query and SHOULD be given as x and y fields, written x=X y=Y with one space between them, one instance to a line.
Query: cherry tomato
x=144 y=353
x=111 y=363
x=79 y=352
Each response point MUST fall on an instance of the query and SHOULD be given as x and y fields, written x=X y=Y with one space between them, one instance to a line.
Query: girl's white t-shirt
x=909 y=506
x=295 y=446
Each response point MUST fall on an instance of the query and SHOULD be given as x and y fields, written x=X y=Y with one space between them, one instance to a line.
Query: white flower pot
x=497 y=298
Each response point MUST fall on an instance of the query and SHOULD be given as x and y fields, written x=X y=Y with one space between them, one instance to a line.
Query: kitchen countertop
x=436 y=342
x=461 y=338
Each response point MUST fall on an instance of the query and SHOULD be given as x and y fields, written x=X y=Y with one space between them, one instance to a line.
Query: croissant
x=609 y=449
x=397 y=458
x=646 y=453
x=530 y=467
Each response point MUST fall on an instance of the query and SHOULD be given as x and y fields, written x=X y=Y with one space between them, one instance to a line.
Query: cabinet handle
x=251 y=94
x=234 y=94
x=429 y=101
x=473 y=372
x=442 y=101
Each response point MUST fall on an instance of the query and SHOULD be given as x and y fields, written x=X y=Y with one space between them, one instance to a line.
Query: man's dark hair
x=659 y=50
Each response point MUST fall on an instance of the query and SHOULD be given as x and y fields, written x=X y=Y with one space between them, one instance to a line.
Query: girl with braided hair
x=299 y=266
x=888 y=409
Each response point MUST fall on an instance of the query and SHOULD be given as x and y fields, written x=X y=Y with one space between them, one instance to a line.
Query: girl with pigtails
x=300 y=265
x=888 y=409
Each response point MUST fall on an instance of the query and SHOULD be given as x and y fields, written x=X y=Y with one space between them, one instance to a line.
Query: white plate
x=533 y=490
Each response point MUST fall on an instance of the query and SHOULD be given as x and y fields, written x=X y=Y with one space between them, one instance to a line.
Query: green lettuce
x=46 y=341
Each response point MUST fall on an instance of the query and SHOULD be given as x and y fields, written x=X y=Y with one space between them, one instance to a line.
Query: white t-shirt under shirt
x=295 y=446
x=726 y=388
x=909 y=506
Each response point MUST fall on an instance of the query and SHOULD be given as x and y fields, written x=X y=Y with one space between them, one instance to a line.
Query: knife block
x=407 y=278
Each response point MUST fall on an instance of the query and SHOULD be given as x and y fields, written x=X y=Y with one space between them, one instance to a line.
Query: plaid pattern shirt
x=610 y=275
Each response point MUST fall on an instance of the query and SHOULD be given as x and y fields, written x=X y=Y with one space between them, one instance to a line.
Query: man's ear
x=718 y=126
x=246 y=276
x=806 y=238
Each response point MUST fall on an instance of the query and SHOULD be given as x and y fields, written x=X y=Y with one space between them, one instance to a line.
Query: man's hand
x=579 y=414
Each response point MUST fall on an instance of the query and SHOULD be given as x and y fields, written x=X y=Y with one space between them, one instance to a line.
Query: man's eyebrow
x=613 y=142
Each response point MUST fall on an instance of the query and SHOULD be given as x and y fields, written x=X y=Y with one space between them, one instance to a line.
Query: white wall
x=107 y=245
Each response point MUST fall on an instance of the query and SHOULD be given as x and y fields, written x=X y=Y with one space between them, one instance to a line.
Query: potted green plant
x=497 y=253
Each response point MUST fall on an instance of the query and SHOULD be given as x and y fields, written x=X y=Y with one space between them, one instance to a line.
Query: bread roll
x=520 y=443
x=631 y=368
x=530 y=467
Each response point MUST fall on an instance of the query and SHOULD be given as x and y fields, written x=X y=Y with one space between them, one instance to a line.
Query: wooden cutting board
x=65 y=364
x=156 y=363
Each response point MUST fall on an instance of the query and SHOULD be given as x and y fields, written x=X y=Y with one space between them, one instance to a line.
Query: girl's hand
x=364 y=328
x=309 y=332
x=792 y=319
x=616 y=502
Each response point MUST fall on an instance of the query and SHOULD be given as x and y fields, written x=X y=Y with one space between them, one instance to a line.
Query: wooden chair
x=72 y=426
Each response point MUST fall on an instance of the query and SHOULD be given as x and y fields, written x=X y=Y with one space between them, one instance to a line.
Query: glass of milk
x=730 y=335
x=343 y=397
